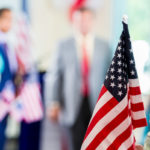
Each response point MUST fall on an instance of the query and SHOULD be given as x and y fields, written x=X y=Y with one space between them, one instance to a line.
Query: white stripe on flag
x=134 y=82
x=138 y=114
x=104 y=121
x=136 y=99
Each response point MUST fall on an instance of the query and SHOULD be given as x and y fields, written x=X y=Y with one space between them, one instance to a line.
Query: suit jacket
x=63 y=80
x=5 y=69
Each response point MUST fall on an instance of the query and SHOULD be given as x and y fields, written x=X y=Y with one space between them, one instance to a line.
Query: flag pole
x=125 y=19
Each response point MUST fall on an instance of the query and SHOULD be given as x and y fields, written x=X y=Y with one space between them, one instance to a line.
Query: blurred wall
x=15 y=5
x=119 y=9
x=50 y=24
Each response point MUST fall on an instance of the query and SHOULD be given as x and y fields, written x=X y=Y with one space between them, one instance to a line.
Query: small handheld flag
x=28 y=105
x=119 y=108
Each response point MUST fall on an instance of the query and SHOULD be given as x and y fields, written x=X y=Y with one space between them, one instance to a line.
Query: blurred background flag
x=23 y=44
x=31 y=100
x=28 y=104
x=119 y=108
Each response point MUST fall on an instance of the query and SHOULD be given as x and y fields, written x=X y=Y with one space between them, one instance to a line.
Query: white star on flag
x=119 y=70
x=112 y=84
x=132 y=72
x=131 y=62
x=112 y=69
x=120 y=93
x=112 y=77
x=119 y=63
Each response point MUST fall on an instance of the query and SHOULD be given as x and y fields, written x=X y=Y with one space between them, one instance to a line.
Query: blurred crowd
x=63 y=95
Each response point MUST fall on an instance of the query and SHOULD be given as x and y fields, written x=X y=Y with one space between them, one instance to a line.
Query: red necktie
x=85 y=71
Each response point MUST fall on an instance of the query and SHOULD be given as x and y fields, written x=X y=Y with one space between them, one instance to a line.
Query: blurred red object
x=77 y=4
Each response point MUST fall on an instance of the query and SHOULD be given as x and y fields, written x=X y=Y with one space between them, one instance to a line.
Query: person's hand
x=139 y=147
x=53 y=112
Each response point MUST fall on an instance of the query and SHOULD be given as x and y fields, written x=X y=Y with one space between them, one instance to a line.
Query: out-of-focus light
x=141 y=52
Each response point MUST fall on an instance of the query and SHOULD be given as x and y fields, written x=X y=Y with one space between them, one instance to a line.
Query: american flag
x=23 y=43
x=28 y=104
x=119 y=108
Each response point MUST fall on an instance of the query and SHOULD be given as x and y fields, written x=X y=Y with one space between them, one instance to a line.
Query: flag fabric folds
x=119 y=108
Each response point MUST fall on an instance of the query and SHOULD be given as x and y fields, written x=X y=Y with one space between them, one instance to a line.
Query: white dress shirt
x=88 y=43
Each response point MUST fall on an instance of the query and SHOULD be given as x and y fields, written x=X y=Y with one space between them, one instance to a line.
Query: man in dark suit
x=76 y=76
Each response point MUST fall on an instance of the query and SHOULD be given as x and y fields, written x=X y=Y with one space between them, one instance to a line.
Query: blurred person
x=22 y=76
x=147 y=142
x=8 y=66
x=139 y=147
x=76 y=76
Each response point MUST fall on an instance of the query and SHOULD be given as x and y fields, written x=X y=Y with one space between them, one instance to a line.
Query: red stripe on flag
x=103 y=90
x=120 y=139
x=139 y=123
x=112 y=125
x=137 y=107
x=101 y=113
x=132 y=147
x=134 y=91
